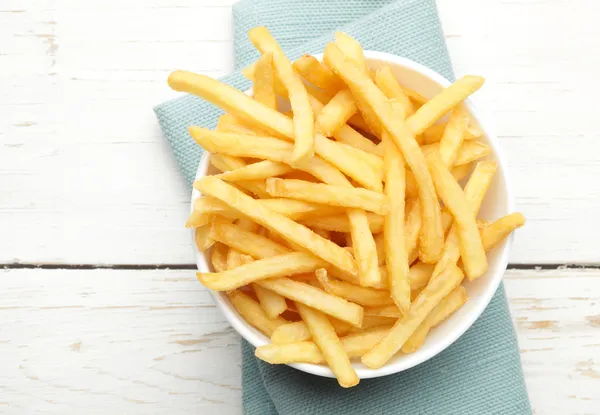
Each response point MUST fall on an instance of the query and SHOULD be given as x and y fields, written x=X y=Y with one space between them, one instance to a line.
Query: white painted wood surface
x=86 y=178
x=82 y=154
x=150 y=341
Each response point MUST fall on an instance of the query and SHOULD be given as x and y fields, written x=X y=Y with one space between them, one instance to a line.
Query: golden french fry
x=304 y=146
x=471 y=150
x=355 y=345
x=496 y=231
x=440 y=312
x=336 y=113
x=460 y=172
x=257 y=171
x=436 y=107
x=412 y=226
x=454 y=199
x=316 y=298
x=251 y=311
x=353 y=51
x=228 y=123
x=396 y=255
x=474 y=193
x=293 y=209
x=277 y=266
x=406 y=326
x=360 y=84
x=375 y=162
x=419 y=275
x=350 y=136
x=434 y=133
x=391 y=311
x=355 y=293
x=234 y=257
x=198 y=218
x=380 y=246
x=364 y=248
x=298 y=331
x=227 y=163
x=218 y=256
x=273 y=303
x=202 y=238
x=317 y=74
x=370 y=322
x=387 y=82
x=326 y=339
x=238 y=103
x=329 y=194
x=264 y=81
x=268 y=148
x=454 y=134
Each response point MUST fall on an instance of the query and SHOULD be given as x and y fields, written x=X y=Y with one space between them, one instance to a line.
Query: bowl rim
x=256 y=338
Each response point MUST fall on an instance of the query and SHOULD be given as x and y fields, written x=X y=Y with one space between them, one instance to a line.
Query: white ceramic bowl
x=497 y=203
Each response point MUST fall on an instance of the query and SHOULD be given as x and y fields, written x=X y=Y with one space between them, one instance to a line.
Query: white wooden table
x=100 y=311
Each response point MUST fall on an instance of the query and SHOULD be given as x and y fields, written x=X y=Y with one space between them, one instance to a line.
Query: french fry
x=228 y=123
x=234 y=258
x=460 y=172
x=345 y=133
x=425 y=302
x=434 y=133
x=387 y=82
x=474 y=193
x=202 y=238
x=353 y=51
x=391 y=311
x=470 y=151
x=364 y=248
x=264 y=81
x=227 y=163
x=277 y=266
x=329 y=194
x=257 y=171
x=298 y=331
x=496 y=231
x=336 y=113
x=446 y=307
x=412 y=226
x=436 y=107
x=370 y=322
x=396 y=255
x=355 y=345
x=198 y=218
x=251 y=311
x=304 y=145
x=268 y=148
x=238 y=103
x=380 y=246
x=317 y=298
x=293 y=209
x=272 y=303
x=317 y=74
x=360 y=84
x=419 y=275
x=360 y=295
x=375 y=162
x=454 y=134
x=329 y=343
x=218 y=257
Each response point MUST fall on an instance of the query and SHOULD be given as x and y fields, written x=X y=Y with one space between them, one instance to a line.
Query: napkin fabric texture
x=481 y=372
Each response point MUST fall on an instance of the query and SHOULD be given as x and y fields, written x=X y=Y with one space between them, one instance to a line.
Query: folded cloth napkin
x=481 y=372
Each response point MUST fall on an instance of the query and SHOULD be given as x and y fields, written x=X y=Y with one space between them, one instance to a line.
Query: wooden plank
x=82 y=157
x=142 y=341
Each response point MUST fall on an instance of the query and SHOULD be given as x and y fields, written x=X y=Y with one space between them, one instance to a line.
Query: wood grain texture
x=81 y=154
x=148 y=341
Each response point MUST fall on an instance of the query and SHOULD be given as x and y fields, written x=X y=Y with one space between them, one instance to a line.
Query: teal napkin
x=481 y=372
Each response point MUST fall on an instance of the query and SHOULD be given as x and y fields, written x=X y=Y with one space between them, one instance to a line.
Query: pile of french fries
x=339 y=228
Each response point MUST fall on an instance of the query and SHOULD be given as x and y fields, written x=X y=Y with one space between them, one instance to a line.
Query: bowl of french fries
x=351 y=211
